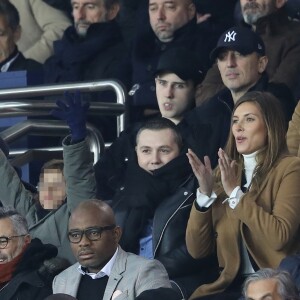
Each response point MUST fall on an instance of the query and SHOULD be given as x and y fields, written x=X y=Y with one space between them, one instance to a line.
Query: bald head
x=93 y=235
x=95 y=207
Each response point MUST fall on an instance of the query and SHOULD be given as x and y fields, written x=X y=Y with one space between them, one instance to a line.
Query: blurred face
x=93 y=255
x=174 y=96
x=87 y=12
x=155 y=148
x=166 y=16
x=253 y=10
x=265 y=289
x=52 y=189
x=240 y=72
x=8 y=39
x=248 y=128
x=15 y=245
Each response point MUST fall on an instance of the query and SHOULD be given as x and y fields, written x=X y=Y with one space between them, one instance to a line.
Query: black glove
x=73 y=111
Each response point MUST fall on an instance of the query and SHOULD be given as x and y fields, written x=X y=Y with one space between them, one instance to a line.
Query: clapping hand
x=73 y=111
x=203 y=172
x=228 y=172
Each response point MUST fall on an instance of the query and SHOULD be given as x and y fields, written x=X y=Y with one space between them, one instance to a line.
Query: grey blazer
x=130 y=276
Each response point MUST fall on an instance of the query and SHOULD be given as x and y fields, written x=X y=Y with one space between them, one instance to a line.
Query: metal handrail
x=53 y=128
x=10 y=107
x=26 y=106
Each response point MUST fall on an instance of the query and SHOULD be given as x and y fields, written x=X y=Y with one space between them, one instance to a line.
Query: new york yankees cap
x=180 y=61
x=240 y=39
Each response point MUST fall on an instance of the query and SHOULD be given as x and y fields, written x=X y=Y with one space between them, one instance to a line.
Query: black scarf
x=73 y=53
x=143 y=192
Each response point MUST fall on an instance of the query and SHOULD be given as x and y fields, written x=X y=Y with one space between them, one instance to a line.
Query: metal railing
x=10 y=106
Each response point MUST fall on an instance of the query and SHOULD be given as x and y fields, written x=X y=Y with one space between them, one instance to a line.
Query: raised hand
x=203 y=172
x=73 y=111
x=228 y=170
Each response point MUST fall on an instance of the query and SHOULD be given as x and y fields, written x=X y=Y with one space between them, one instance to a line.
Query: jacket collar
x=271 y=24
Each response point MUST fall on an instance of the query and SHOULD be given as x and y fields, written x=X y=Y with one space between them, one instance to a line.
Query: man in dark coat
x=11 y=59
x=281 y=37
x=171 y=25
x=27 y=267
x=92 y=48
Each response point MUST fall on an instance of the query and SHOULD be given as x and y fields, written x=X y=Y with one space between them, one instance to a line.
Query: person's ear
x=262 y=64
x=113 y=11
x=117 y=234
x=280 y=3
x=17 y=34
x=191 y=10
x=27 y=239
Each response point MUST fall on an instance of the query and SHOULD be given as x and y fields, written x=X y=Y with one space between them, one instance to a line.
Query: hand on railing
x=73 y=111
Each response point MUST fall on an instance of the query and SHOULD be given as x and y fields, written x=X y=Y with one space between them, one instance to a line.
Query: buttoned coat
x=293 y=134
x=267 y=223
x=131 y=275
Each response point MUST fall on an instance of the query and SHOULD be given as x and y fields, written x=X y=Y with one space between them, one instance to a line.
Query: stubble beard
x=253 y=11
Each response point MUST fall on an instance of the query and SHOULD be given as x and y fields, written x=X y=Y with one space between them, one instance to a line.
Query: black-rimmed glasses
x=92 y=233
x=5 y=239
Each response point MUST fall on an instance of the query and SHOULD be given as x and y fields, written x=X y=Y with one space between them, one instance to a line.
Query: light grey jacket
x=130 y=276
x=41 y=25
x=53 y=227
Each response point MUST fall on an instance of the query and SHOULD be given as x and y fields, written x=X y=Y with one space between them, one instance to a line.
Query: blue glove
x=73 y=111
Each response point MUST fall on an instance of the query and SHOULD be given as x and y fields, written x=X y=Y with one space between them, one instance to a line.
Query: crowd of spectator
x=198 y=198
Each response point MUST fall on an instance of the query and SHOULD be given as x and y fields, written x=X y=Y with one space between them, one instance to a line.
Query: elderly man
x=26 y=266
x=92 y=48
x=103 y=268
x=10 y=58
x=270 y=284
x=281 y=36
x=173 y=24
x=242 y=61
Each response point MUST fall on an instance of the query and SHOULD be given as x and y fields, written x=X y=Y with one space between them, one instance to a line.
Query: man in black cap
x=281 y=35
x=241 y=59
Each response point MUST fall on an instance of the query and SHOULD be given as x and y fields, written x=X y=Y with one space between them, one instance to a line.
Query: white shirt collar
x=6 y=66
x=105 y=271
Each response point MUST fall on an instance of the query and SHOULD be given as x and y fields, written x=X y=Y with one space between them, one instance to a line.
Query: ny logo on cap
x=230 y=36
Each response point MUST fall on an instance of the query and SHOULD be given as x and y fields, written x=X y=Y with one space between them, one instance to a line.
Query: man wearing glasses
x=23 y=262
x=104 y=270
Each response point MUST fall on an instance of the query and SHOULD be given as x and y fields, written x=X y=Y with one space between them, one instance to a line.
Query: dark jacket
x=93 y=57
x=216 y=112
x=22 y=63
x=33 y=277
x=168 y=217
x=172 y=210
x=145 y=55
x=281 y=37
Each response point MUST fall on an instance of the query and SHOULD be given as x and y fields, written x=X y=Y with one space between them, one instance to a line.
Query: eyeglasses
x=4 y=240
x=92 y=233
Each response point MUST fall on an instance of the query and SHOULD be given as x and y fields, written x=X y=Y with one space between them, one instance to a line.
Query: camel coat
x=268 y=224
x=293 y=134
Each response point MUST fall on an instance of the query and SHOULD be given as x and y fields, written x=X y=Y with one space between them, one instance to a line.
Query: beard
x=253 y=11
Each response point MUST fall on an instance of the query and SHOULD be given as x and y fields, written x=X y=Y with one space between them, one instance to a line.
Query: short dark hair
x=9 y=11
x=53 y=164
x=161 y=124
